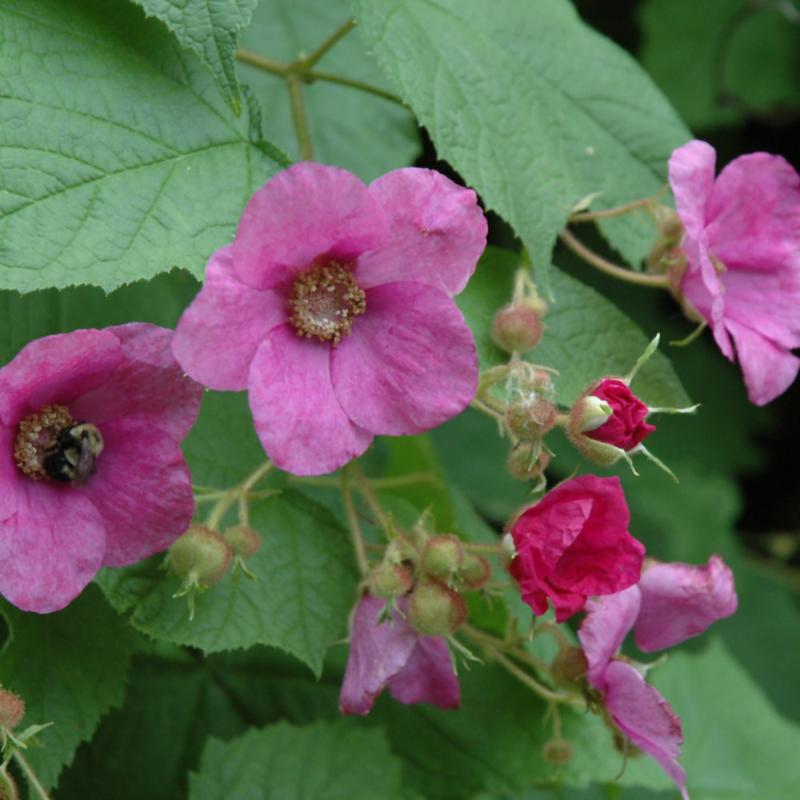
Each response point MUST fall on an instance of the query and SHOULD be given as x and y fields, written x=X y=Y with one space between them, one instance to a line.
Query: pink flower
x=742 y=248
x=91 y=468
x=415 y=668
x=671 y=603
x=574 y=543
x=626 y=428
x=333 y=308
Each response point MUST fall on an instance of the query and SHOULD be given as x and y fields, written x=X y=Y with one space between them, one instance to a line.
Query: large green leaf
x=363 y=133
x=70 y=668
x=210 y=28
x=533 y=108
x=324 y=761
x=120 y=158
x=305 y=586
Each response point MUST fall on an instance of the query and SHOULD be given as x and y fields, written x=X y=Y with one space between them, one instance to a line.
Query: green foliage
x=121 y=159
x=365 y=134
x=70 y=668
x=209 y=28
x=304 y=587
x=533 y=108
x=324 y=761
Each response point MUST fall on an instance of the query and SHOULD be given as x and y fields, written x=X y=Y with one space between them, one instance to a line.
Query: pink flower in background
x=742 y=247
x=391 y=654
x=627 y=427
x=333 y=308
x=574 y=543
x=671 y=603
x=91 y=468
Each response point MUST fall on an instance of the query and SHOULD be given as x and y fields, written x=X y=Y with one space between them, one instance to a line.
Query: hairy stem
x=352 y=522
x=617 y=211
x=271 y=65
x=30 y=775
x=298 y=106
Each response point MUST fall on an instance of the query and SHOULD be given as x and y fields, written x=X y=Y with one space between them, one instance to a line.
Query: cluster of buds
x=202 y=557
x=12 y=712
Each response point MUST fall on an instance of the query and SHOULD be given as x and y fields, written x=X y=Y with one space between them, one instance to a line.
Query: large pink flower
x=574 y=543
x=333 y=308
x=91 y=470
x=672 y=603
x=390 y=653
x=742 y=248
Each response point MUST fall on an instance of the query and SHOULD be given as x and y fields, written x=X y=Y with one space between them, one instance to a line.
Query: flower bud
x=436 y=609
x=390 y=580
x=474 y=571
x=442 y=555
x=244 y=541
x=666 y=254
x=569 y=667
x=8 y=789
x=516 y=328
x=12 y=709
x=530 y=419
x=557 y=751
x=527 y=461
x=589 y=413
x=200 y=557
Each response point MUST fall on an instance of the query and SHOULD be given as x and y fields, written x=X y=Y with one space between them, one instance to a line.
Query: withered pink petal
x=682 y=600
x=410 y=363
x=378 y=652
x=427 y=676
x=646 y=718
x=142 y=489
x=218 y=335
x=437 y=231
x=304 y=213
x=604 y=629
x=297 y=415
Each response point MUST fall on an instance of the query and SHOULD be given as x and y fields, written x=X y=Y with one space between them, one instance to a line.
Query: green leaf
x=304 y=589
x=360 y=132
x=534 y=109
x=120 y=157
x=210 y=28
x=70 y=668
x=585 y=338
x=325 y=761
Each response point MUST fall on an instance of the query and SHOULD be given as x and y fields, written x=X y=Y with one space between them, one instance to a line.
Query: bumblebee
x=73 y=456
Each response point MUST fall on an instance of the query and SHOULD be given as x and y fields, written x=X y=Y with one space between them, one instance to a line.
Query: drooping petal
x=378 y=652
x=682 y=600
x=646 y=718
x=142 y=489
x=304 y=213
x=297 y=415
x=437 y=231
x=218 y=335
x=52 y=539
x=428 y=676
x=604 y=629
x=410 y=363
x=148 y=382
x=691 y=177
x=56 y=369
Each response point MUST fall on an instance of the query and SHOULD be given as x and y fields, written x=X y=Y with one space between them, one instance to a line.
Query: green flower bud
x=530 y=419
x=244 y=541
x=200 y=557
x=516 y=328
x=442 y=555
x=436 y=609
x=557 y=751
x=390 y=580
x=474 y=571
x=527 y=461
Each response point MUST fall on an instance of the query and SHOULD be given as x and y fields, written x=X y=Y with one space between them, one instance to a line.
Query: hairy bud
x=244 y=541
x=200 y=557
x=516 y=328
x=530 y=419
x=569 y=667
x=436 y=609
x=527 y=461
x=390 y=580
x=474 y=571
x=557 y=751
x=442 y=555
x=12 y=709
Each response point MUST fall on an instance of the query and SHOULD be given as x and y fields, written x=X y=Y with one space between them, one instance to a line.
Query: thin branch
x=352 y=522
x=329 y=77
x=295 y=87
x=617 y=211
x=312 y=59
x=33 y=780
x=271 y=65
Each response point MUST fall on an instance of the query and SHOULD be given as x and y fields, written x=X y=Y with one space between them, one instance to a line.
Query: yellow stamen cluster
x=37 y=433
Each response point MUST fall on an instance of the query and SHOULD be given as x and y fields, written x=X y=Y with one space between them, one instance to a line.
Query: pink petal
x=691 y=177
x=604 y=629
x=410 y=363
x=56 y=369
x=142 y=490
x=427 y=676
x=753 y=214
x=52 y=539
x=378 y=652
x=646 y=718
x=297 y=416
x=147 y=382
x=218 y=335
x=681 y=600
x=303 y=214
x=437 y=231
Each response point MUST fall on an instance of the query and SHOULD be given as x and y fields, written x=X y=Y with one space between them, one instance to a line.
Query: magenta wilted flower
x=91 y=470
x=333 y=308
x=742 y=248
x=391 y=654
x=671 y=603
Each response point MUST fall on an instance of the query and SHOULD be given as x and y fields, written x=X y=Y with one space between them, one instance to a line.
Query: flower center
x=325 y=301
x=52 y=446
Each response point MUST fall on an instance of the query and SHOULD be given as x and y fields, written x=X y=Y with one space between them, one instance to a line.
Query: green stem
x=361 y=86
x=297 y=104
x=372 y=501
x=271 y=65
x=597 y=261
x=617 y=211
x=340 y=32
x=352 y=522
x=33 y=781
x=232 y=495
